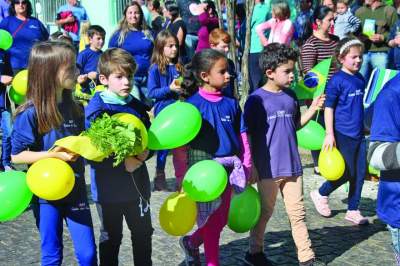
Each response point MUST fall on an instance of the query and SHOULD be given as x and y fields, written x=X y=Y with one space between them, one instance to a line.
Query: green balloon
x=311 y=136
x=15 y=195
x=6 y=40
x=205 y=181
x=244 y=211
x=16 y=97
x=373 y=171
x=175 y=126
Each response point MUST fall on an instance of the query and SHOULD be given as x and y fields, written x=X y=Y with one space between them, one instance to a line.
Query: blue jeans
x=354 y=153
x=373 y=60
x=191 y=44
x=395 y=232
x=255 y=72
x=140 y=90
x=161 y=159
x=6 y=128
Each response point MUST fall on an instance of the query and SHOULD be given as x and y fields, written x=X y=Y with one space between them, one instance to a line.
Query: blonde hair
x=124 y=27
x=116 y=60
x=158 y=56
x=49 y=59
x=84 y=28
x=281 y=10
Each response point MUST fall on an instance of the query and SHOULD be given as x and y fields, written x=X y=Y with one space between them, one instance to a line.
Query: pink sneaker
x=320 y=203
x=356 y=218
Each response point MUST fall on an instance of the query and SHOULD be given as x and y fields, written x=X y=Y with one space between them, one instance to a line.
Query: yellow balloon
x=20 y=82
x=50 y=179
x=137 y=123
x=178 y=214
x=331 y=164
x=83 y=146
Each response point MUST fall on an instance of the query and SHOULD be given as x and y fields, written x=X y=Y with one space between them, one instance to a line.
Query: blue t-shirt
x=25 y=136
x=87 y=60
x=272 y=120
x=221 y=126
x=158 y=86
x=386 y=127
x=80 y=15
x=5 y=69
x=24 y=38
x=344 y=93
x=139 y=46
x=115 y=184
x=4 y=6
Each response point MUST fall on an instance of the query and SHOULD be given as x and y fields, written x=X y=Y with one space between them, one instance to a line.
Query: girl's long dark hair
x=202 y=61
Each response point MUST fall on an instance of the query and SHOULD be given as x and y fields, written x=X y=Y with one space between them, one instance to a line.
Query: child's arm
x=316 y=104
x=329 y=141
x=155 y=91
x=260 y=31
x=354 y=23
x=29 y=157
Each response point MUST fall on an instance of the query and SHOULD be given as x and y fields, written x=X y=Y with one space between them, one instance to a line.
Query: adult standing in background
x=208 y=20
x=192 y=23
x=4 y=6
x=25 y=30
x=69 y=18
x=134 y=36
x=146 y=12
x=260 y=12
x=176 y=26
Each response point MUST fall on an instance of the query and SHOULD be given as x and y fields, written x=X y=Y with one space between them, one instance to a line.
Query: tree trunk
x=219 y=11
x=230 y=13
x=245 y=86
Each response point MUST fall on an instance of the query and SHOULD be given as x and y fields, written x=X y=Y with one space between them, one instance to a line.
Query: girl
x=282 y=28
x=134 y=36
x=221 y=137
x=84 y=41
x=48 y=115
x=344 y=129
x=164 y=89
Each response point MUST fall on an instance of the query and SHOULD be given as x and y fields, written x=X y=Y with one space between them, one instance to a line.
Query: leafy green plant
x=114 y=137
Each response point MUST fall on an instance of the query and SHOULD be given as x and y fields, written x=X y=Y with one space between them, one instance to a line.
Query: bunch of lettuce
x=113 y=137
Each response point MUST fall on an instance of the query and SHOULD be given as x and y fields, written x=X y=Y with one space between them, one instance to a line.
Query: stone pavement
x=336 y=241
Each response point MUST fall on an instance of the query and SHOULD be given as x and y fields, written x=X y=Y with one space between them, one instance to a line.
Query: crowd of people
x=163 y=52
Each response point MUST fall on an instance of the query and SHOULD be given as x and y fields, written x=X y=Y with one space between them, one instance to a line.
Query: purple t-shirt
x=272 y=120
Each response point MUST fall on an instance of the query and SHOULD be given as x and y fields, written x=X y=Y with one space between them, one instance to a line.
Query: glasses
x=21 y=2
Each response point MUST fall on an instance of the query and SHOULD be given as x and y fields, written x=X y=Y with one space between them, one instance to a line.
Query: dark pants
x=255 y=72
x=354 y=153
x=138 y=218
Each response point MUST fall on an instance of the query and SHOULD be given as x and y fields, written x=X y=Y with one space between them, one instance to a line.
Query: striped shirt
x=315 y=50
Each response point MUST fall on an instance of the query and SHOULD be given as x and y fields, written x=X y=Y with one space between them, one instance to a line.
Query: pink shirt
x=281 y=31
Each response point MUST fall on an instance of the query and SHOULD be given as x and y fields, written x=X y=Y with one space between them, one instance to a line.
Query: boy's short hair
x=96 y=29
x=345 y=2
x=276 y=54
x=116 y=60
x=217 y=35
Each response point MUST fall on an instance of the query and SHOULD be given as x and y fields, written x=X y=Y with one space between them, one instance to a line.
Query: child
x=6 y=77
x=282 y=28
x=272 y=116
x=220 y=40
x=84 y=33
x=48 y=115
x=222 y=137
x=302 y=22
x=383 y=154
x=164 y=88
x=344 y=114
x=345 y=22
x=87 y=61
x=122 y=191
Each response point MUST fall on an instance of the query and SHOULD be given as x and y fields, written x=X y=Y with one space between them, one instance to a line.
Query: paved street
x=336 y=241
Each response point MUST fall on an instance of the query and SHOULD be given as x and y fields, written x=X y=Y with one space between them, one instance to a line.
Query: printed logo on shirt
x=70 y=124
x=33 y=27
x=356 y=93
x=226 y=118
x=280 y=114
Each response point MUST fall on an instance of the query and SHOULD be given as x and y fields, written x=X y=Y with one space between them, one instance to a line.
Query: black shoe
x=192 y=255
x=257 y=259
x=312 y=262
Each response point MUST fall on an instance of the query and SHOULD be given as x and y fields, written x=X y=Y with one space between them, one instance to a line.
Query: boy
x=220 y=40
x=383 y=154
x=302 y=22
x=87 y=62
x=345 y=22
x=272 y=116
x=124 y=190
x=6 y=77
